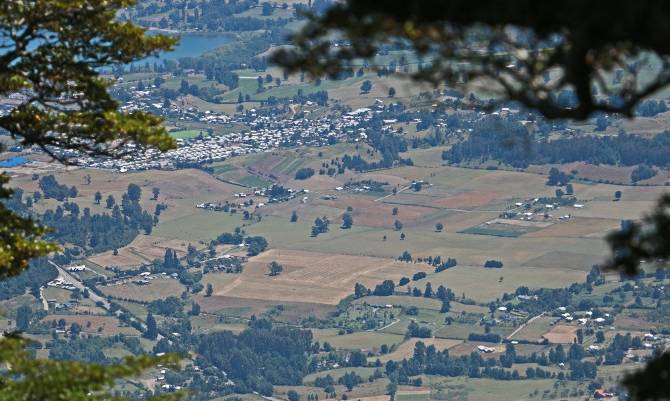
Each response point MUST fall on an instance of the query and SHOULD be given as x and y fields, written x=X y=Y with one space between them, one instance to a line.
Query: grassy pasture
x=496 y=232
x=187 y=134
x=562 y=259
x=366 y=340
x=159 y=288
x=236 y=307
x=484 y=389
x=200 y=225
x=536 y=329
x=253 y=181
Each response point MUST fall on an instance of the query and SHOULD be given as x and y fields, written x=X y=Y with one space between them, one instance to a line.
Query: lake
x=190 y=45
x=13 y=162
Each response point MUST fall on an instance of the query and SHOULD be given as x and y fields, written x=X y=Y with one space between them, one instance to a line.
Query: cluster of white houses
x=265 y=134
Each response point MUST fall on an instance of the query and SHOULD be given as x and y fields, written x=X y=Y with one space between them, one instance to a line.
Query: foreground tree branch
x=531 y=50
x=52 y=53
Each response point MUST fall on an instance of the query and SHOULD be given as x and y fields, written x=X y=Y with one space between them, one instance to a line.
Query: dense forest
x=38 y=275
x=260 y=356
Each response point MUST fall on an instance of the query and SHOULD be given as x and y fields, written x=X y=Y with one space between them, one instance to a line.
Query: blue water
x=13 y=162
x=190 y=45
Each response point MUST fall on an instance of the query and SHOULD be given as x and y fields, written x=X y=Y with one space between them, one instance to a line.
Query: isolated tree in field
x=366 y=86
x=391 y=92
x=392 y=389
x=152 y=329
x=397 y=225
x=439 y=227
x=75 y=330
x=155 y=192
x=97 y=197
x=428 y=292
x=402 y=236
x=110 y=202
x=275 y=268
x=209 y=290
x=360 y=290
x=195 y=309
x=446 y=306
x=134 y=192
x=320 y=226
x=617 y=195
x=405 y=257
x=347 y=221
x=394 y=211
x=294 y=216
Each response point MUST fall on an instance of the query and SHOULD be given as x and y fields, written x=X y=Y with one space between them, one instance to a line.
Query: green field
x=199 y=226
x=187 y=134
x=253 y=181
x=358 y=340
x=223 y=168
x=488 y=389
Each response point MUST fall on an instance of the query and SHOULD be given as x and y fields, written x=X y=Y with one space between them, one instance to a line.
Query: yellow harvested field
x=312 y=277
x=561 y=334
